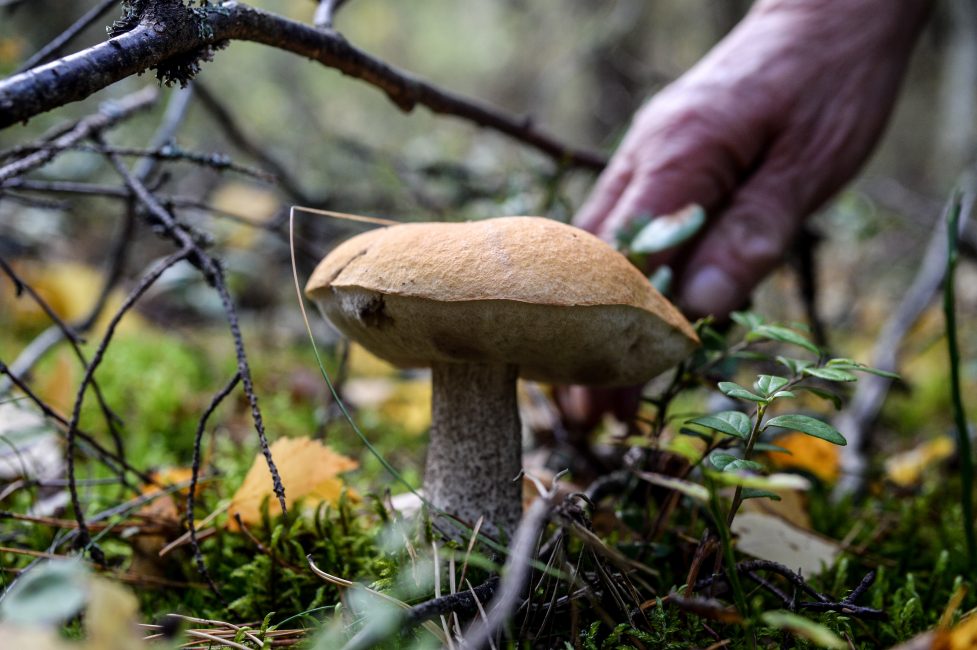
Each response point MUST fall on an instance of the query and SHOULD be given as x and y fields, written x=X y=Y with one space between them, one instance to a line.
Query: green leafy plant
x=735 y=436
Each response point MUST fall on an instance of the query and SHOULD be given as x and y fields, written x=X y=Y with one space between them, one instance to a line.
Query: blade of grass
x=325 y=375
x=963 y=435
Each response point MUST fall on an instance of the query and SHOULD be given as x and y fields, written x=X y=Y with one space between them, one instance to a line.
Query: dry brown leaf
x=819 y=457
x=163 y=510
x=309 y=470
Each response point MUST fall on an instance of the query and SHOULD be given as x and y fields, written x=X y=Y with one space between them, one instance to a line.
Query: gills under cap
x=552 y=299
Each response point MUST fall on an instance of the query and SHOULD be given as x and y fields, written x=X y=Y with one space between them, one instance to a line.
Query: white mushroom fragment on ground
x=483 y=303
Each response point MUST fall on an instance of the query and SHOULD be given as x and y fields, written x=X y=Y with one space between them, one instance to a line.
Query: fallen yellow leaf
x=111 y=617
x=819 y=457
x=409 y=406
x=70 y=289
x=256 y=204
x=58 y=383
x=309 y=470
x=11 y=50
x=961 y=637
x=906 y=469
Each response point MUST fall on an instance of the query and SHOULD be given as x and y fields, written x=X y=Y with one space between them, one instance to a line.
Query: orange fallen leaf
x=819 y=457
x=309 y=470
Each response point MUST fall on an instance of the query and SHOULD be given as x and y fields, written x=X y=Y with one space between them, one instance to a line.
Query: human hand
x=771 y=123
x=763 y=130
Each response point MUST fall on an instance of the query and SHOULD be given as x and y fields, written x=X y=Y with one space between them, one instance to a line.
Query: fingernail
x=709 y=290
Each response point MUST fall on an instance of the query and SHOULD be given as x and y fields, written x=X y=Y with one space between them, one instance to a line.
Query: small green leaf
x=731 y=423
x=747 y=319
x=720 y=460
x=51 y=592
x=834 y=398
x=669 y=231
x=782 y=393
x=830 y=374
x=770 y=447
x=756 y=493
x=795 y=365
x=640 y=441
x=808 y=425
x=767 y=385
x=688 y=488
x=711 y=339
x=782 y=334
x=626 y=234
x=879 y=372
x=750 y=355
x=736 y=391
x=814 y=632
x=851 y=364
x=741 y=465
x=695 y=434
x=661 y=279
x=772 y=482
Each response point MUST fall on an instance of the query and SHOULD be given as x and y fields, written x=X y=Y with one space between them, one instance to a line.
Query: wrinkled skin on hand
x=761 y=132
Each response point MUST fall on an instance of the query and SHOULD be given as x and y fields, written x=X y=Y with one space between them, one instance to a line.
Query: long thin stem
x=747 y=453
x=963 y=436
x=726 y=541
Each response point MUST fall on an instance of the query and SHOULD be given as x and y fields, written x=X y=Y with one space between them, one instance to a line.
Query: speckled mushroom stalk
x=474 y=455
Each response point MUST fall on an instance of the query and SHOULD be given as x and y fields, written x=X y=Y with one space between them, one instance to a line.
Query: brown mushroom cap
x=552 y=299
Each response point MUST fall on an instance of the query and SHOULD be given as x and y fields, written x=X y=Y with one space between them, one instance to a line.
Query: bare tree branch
x=179 y=37
x=108 y=114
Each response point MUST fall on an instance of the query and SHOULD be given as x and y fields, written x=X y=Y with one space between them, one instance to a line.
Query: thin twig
x=515 y=572
x=147 y=281
x=166 y=152
x=104 y=455
x=214 y=275
x=821 y=602
x=198 y=557
x=109 y=114
x=50 y=337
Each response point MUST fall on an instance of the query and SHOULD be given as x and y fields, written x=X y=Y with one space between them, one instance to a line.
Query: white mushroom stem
x=475 y=453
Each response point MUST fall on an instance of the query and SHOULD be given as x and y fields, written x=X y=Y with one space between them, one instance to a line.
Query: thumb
x=742 y=245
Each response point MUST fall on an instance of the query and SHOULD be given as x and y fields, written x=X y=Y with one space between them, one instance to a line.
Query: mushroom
x=483 y=303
